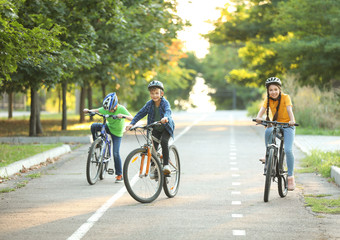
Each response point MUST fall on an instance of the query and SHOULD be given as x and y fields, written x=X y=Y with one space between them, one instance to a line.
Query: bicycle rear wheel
x=93 y=165
x=282 y=175
x=143 y=188
x=269 y=163
x=171 y=181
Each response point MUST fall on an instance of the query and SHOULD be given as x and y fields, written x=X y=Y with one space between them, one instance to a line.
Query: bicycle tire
x=93 y=164
x=171 y=182
x=144 y=189
x=268 y=174
x=282 y=175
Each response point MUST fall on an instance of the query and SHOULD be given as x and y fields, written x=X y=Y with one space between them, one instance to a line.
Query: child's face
x=114 y=109
x=274 y=91
x=156 y=94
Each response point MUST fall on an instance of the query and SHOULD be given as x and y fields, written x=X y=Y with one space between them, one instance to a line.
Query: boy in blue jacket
x=158 y=109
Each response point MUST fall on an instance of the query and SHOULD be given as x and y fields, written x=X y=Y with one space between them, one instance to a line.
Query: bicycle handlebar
x=104 y=115
x=265 y=123
x=151 y=125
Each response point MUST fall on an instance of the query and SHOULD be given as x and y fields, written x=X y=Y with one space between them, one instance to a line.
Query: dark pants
x=96 y=127
x=164 y=136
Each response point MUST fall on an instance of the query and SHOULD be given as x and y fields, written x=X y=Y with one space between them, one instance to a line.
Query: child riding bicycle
x=158 y=109
x=115 y=127
x=282 y=110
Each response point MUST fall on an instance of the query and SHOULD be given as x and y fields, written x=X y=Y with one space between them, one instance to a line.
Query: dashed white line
x=236 y=202
x=236 y=215
x=239 y=232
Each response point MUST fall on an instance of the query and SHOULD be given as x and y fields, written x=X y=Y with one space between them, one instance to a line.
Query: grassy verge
x=321 y=162
x=321 y=204
x=12 y=153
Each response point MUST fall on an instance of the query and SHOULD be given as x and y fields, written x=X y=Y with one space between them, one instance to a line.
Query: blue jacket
x=164 y=110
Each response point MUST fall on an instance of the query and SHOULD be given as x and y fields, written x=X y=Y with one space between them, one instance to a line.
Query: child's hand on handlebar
x=128 y=127
x=291 y=123
x=86 y=110
x=164 y=120
x=258 y=120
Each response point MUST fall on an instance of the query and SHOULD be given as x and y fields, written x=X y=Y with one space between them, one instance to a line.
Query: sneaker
x=153 y=173
x=166 y=170
x=119 y=179
x=291 y=183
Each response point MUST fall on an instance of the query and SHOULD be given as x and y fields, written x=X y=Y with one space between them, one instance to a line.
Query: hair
x=278 y=105
x=154 y=88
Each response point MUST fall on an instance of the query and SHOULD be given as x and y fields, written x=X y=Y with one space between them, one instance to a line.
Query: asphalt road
x=220 y=196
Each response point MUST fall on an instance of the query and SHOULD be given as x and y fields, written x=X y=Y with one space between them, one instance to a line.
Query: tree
x=19 y=41
x=307 y=41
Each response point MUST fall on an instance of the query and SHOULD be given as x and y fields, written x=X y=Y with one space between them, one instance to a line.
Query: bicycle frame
x=149 y=149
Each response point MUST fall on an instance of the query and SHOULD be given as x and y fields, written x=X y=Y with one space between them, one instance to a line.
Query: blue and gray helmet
x=110 y=101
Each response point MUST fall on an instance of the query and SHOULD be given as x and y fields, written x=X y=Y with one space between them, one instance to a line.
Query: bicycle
x=275 y=164
x=100 y=153
x=142 y=171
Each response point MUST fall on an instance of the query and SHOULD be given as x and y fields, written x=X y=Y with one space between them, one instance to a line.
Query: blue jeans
x=289 y=134
x=96 y=127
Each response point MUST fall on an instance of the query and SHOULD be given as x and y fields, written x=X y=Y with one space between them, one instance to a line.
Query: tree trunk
x=64 y=108
x=37 y=112
x=89 y=99
x=10 y=104
x=33 y=126
x=103 y=90
x=82 y=105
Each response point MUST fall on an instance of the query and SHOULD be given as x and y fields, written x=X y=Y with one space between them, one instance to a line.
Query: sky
x=198 y=12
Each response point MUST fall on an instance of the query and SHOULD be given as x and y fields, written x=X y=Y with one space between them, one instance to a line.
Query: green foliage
x=321 y=162
x=217 y=69
x=280 y=37
x=19 y=41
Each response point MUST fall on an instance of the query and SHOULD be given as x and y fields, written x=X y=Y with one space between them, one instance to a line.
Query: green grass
x=12 y=153
x=320 y=204
x=34 y=175
x=317 y=131
x=321 y=162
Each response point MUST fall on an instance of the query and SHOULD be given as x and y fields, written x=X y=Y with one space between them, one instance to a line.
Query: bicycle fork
x=145 y=165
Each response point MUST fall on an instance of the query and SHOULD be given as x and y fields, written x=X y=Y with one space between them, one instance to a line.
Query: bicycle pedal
x=110 y=171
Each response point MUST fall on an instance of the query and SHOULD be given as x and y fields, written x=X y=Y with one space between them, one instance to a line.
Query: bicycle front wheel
x=171 y=181
x=269 y=163
x=93 y=165
x=142 y=186
x=282 y=175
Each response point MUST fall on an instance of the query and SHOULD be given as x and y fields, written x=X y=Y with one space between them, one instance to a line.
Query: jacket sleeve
x=167 y=109
x=141 y=113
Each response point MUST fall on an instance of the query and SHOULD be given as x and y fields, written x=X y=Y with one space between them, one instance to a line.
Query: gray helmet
x=273 y=80
x=156 y=84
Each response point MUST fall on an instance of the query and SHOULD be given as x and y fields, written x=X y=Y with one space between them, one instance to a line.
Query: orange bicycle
x=142 y=171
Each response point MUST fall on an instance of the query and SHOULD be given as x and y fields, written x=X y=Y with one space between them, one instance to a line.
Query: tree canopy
x=280 y=37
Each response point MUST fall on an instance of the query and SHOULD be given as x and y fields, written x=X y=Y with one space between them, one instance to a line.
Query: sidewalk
x=307 y=143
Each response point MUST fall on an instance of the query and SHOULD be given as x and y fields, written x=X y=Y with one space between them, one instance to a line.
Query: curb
x=46 y=140
x=36 y=159
x=335 y=171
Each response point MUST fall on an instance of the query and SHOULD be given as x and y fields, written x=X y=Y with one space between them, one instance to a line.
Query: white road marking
x=236 y=183
x=239 y=232
x=83 y=229
x=236 y=202
x=235 y=215
x=235 y=175
x=234 y=169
